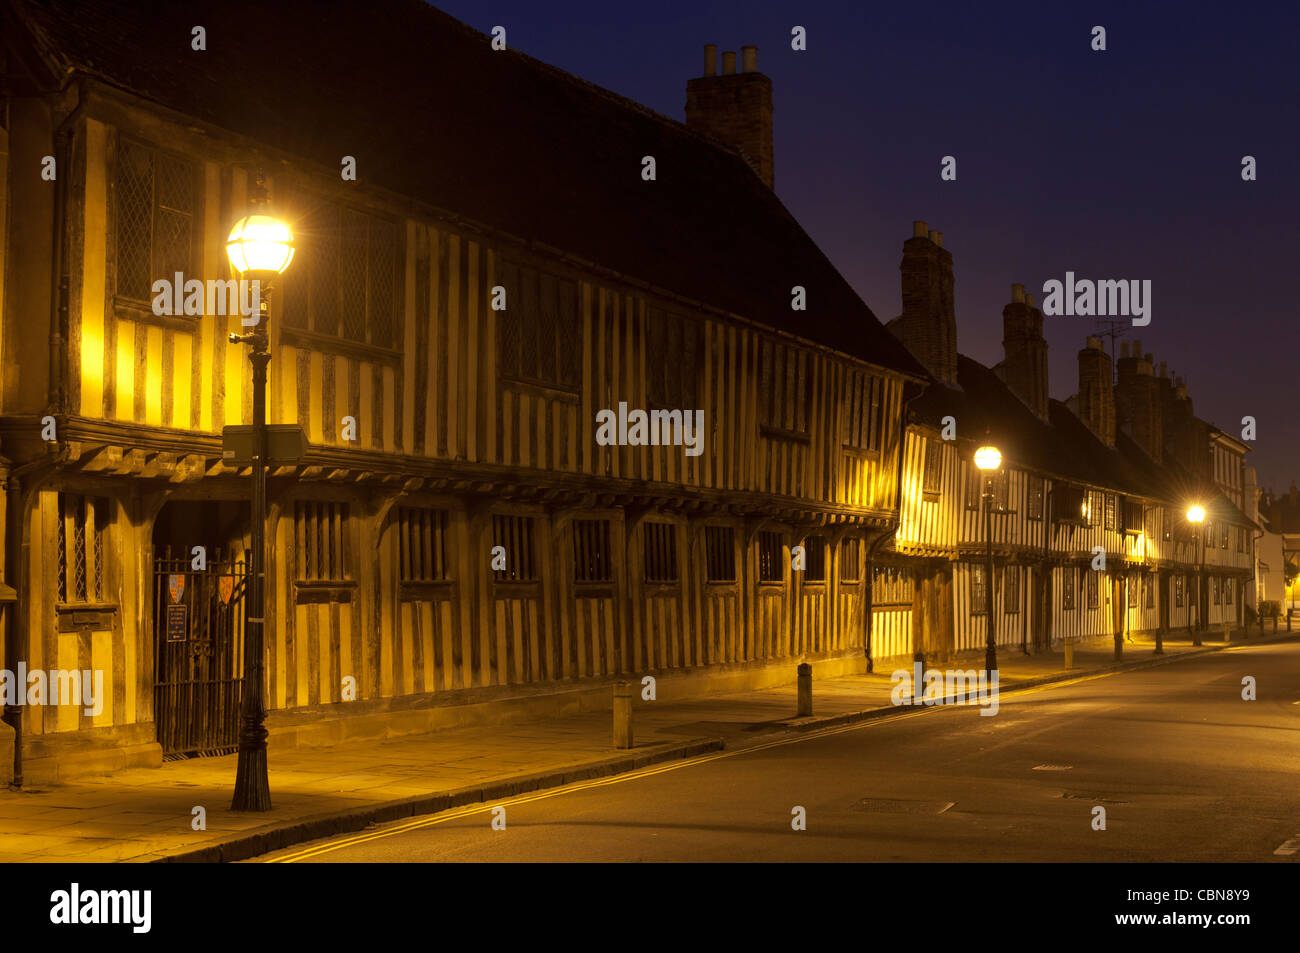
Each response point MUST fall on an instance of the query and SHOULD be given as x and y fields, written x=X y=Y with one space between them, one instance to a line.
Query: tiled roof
x=431 y=112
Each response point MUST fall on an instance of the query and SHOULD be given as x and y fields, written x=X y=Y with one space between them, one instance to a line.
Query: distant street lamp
x=260 y=247
x=988 y=459
x=1196 y=516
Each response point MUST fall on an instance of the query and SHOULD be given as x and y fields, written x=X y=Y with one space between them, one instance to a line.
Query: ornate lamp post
x=260 y=247
x=988 y=459
x=1196 y=516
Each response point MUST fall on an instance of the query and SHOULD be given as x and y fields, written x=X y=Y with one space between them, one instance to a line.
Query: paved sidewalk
x=146 y=814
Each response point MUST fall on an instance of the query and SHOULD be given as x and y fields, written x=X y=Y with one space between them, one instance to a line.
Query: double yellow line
x=471 y=809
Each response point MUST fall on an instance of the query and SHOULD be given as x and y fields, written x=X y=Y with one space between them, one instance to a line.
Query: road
x=1185 y=769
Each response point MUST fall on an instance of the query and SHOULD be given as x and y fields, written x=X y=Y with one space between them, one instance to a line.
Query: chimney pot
x=1149 y=358
x=728 y=63
x=1137 y=348
x=1095 y=343
x=919 y=230
x=936 y=237
x=1029 y=300
x=749 y=59
x=710 y=59
x=1017 y=294
x=1162 y=368
x=1123 y=348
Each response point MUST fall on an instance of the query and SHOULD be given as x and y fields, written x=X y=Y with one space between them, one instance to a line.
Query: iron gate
x=199 y=659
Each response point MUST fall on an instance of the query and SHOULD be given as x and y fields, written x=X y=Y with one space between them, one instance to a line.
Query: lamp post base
x=252 y=786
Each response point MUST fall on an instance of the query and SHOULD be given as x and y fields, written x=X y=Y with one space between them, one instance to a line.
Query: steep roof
x=431 y=112
x=1062 y=445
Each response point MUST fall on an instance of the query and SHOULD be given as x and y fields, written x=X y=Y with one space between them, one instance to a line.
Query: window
x=891 y=586
x=539 y=334
x=1068 y=586
x=82 y=546
x=720 y=553
x=591 y=551
x=156 y=198
x=1215 y=591
x=1149 y=521
x=1148 y=591
x=815 y=548
x=1011 y=589
x=850 y=552
x=770 y=563
x=932 y=475
x=343 y=283
x=1132 y=514
x=660 y=543
x=1069 y=504
x=862 y=407
x=322 y=539
x=974 y=485
x=785 y=393
x=421 y=537
x=1095 y=507
x=1241 y=540
x=1034 y=498
x=999 y=487
x=979 y=593
x=1180 y=590
x=1133 y=581
x=1227 y=592
x=1110 y=511
x=1223 y=536
x=515 y=535
x=1092 y=588
x=675 y=347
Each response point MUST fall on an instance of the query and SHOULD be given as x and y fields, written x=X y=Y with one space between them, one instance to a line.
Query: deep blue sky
x=1116 y=164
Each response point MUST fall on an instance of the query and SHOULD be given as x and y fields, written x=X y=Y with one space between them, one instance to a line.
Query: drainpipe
x=19 y=499
x=889 y=532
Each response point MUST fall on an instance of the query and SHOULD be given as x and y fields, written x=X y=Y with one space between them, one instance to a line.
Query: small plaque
x=177 y=623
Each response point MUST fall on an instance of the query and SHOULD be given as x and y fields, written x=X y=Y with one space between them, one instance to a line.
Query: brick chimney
x=928 y=325
x=1138 y=403
x=734 y=108
x=1025 y=366
x=1096 y=393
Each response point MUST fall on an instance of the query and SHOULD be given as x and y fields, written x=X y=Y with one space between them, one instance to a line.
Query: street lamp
x=1196 y=516
x=988 y=459
x=260 y=247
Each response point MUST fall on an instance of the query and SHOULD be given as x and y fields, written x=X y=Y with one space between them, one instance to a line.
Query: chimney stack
x=734 y=108
x=1024 y=366
x=1138 y=404
x=928 y=325
x=1096 y=393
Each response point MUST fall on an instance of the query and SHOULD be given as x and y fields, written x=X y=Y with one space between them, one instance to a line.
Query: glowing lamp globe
x=260 y=243
x=988 y=458
x=1195 y=513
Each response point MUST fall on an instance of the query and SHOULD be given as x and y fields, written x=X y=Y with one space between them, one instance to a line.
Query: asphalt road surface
x=1185 y=769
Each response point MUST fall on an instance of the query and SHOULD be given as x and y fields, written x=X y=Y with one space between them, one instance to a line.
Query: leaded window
x=156 y=201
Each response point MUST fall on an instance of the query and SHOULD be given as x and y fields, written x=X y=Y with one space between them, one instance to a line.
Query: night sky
x=1117 y=164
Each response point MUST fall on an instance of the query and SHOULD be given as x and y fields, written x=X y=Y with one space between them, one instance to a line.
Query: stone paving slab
x=145 y=813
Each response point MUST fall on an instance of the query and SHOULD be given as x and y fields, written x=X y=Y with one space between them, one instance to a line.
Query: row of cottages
x=1111 y=471
x=459 y=531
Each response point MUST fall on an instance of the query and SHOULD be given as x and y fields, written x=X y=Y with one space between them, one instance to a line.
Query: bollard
x=1069 y=653
x=805 y=690
x=623 y=715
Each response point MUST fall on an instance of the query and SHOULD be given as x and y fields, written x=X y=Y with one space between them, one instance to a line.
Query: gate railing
x=199 y=642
